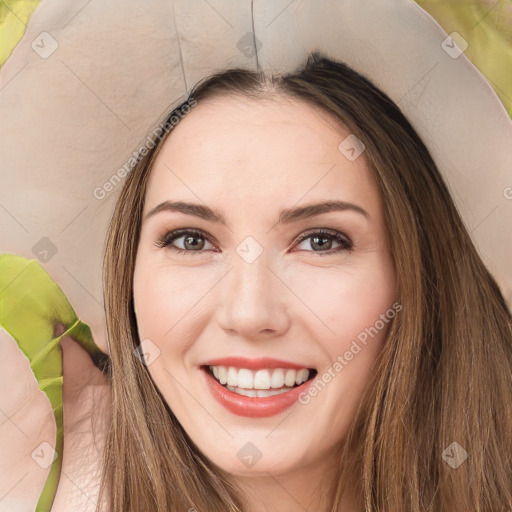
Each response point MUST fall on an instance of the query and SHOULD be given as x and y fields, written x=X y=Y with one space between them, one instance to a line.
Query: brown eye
x=323 y=241
x=193 y=241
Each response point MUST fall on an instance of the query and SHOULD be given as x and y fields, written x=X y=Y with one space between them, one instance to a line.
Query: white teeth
x=232 y=376
x=265 y=379
x=277 y=379
x=223 y=378
x=289 y=378
x=261 y=379
x=242 y=391
x=302 y=376
x=245 y=378
x=259 y=393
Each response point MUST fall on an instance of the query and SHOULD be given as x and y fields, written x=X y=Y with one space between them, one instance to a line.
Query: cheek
x=154 y=301
x=348 y=303
x=167 y=300
x=354 y=309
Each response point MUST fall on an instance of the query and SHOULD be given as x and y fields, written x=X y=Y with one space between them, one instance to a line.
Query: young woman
x=297 y=317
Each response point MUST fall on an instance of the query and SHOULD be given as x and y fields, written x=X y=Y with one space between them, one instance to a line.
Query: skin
x=31 y=427
x=251 y=159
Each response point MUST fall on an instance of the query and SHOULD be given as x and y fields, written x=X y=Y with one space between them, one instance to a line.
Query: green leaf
x=32 y=305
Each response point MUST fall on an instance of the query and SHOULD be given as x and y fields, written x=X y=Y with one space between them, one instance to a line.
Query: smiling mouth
x=261 y=383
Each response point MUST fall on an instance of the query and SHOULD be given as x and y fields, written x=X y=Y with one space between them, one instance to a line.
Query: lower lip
x=254 y=407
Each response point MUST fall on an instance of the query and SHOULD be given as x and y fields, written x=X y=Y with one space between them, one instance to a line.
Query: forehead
x=248 y=155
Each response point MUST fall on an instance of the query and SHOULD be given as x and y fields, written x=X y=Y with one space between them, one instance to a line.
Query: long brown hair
x=444 y=374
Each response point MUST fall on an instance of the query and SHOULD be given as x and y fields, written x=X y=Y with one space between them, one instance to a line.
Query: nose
x=253 y=301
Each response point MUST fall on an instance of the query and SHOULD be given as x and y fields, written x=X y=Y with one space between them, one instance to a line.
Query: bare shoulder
x=86 y=400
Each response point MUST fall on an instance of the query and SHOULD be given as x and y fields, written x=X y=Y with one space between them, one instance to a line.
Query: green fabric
x=31 y=306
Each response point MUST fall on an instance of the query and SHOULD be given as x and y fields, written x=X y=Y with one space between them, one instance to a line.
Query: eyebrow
x=286 y=216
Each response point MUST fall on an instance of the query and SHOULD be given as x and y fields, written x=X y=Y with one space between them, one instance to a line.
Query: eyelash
x=344 y=241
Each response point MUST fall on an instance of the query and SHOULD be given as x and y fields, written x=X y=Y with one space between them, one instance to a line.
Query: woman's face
x=249 y=299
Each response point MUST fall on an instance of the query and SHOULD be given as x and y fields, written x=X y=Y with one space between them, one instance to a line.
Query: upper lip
x=254 y=364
